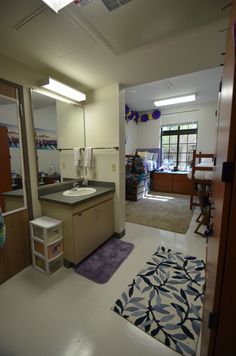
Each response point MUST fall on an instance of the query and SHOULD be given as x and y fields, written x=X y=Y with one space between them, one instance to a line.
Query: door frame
x=25 y=155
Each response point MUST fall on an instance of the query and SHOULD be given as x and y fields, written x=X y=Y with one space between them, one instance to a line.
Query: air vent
x=82 y=3
x=112 y=5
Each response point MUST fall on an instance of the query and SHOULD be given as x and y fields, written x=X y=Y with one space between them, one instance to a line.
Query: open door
x=218 y=322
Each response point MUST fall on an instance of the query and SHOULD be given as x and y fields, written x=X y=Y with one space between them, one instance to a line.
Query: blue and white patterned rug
x=165 y=300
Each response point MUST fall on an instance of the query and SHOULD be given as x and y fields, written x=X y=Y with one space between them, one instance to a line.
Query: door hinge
x=227 y=172
x=213 y=321
x=220 y=86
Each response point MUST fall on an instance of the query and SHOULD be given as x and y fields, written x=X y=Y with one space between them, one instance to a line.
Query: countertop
x=59 y=198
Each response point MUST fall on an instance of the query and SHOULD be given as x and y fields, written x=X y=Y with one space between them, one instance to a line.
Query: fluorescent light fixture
x=176 y=100
x=62 y=89
x=54 y=96
x=57 y=5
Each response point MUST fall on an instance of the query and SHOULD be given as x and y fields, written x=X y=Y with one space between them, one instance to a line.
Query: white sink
x=78 y=192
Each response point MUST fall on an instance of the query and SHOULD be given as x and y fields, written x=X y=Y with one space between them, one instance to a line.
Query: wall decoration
x=141 y=117
x=45 y=139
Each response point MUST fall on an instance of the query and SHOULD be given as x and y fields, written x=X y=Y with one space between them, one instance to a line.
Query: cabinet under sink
x=85 y=226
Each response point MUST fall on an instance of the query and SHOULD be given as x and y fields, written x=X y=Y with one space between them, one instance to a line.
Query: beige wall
x=104 y=127
x=70 y=134
x=148 y=133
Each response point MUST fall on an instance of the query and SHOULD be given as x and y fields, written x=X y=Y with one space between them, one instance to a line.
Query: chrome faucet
x=84 y=182
x=75 y=186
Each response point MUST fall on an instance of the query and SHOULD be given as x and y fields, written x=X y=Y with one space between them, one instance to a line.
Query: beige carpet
x=165 y=211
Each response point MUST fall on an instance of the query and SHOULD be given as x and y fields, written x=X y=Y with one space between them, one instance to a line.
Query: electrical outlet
x=113 y=167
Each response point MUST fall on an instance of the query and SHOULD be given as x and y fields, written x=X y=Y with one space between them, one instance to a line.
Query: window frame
x=179 y=132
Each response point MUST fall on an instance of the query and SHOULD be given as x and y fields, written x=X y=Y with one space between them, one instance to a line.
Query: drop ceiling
x=91 y=47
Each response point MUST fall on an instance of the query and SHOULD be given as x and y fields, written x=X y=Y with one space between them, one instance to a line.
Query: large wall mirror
x=12 y=173
x=57 y=125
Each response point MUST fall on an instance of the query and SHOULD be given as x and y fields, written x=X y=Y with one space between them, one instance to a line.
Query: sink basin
x=78 y=192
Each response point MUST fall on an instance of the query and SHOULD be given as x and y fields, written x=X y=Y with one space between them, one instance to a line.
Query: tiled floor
x=68 y=315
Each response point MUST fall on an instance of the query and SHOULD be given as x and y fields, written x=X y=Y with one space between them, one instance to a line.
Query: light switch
x=64 y=165
x=113 y=167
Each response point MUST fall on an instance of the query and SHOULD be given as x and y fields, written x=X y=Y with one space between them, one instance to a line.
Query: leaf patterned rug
x=165 y=299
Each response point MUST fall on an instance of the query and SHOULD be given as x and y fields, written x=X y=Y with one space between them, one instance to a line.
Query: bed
x=151 y=158
x=201 y=173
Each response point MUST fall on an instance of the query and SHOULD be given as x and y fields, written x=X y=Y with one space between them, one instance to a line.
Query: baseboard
x=119 y=235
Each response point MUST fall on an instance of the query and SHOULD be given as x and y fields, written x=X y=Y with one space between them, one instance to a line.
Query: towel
x=88 y=157
x=77 y=157
x=2 y=230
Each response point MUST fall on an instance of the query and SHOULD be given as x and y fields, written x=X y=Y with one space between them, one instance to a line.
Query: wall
x=70 y=124
x=131 y=137
x=46 y=118
x=104 y=127
x=148 y=133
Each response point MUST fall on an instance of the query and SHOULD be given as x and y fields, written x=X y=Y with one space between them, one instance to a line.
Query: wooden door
x=214 y=340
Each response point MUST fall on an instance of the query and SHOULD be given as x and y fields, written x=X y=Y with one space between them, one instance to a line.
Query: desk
x=171 y=182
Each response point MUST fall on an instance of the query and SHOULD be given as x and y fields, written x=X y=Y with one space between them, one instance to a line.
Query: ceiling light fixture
x=176 y=100
x=57 y=5
x=62 y=89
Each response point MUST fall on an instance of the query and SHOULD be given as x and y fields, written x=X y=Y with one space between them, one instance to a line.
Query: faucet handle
x=75 y=184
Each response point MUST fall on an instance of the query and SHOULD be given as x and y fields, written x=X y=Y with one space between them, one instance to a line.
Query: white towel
x=88 y=157
x=77 y=156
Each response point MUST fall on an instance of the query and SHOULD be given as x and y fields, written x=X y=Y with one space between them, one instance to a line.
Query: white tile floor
x=68 y=315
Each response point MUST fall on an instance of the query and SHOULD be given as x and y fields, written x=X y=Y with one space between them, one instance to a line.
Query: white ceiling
x=205 y=84
x=90 y=47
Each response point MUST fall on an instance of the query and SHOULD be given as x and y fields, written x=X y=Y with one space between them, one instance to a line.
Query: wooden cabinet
x=84 y=226
x=162 y=182
x=92 y=227
x=177 y=183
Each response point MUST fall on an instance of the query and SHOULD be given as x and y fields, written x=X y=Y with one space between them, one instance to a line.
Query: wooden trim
x=15 y=255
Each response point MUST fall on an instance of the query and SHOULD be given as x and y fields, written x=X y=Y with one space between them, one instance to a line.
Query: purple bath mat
x=100 y=265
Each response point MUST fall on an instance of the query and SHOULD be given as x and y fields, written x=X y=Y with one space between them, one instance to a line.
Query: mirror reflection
x=11 y=191
x=57 y=125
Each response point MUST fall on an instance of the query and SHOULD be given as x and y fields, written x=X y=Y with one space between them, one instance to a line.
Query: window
x=177 y=145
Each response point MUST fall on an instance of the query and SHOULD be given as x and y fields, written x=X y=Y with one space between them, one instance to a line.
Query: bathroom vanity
x=87 y=221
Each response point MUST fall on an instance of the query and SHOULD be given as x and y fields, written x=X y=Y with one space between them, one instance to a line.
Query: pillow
x=155 y=157
x=149 y=156
x=142 y=154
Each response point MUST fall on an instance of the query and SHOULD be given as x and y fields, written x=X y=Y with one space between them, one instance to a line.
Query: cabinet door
x=182 y=184
x=162 y=182
x=91 y=228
